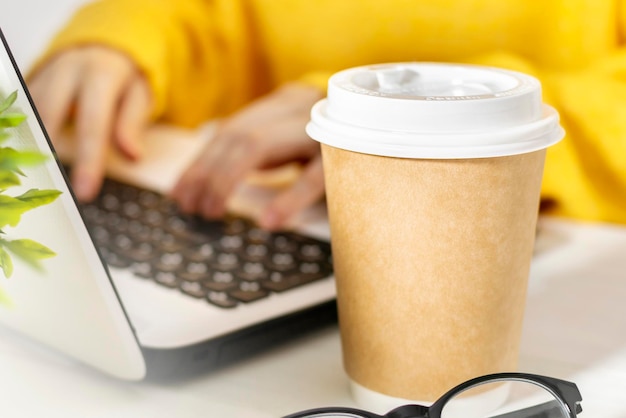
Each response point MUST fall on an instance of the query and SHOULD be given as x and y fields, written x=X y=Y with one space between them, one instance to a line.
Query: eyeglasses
x=501 y=395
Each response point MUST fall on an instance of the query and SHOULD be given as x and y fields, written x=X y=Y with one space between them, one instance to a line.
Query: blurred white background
x=29 y=24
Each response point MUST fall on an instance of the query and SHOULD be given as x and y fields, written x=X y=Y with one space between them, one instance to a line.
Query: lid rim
x=449 y=145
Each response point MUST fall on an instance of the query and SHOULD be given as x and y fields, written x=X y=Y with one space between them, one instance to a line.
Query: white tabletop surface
x=575 y=325
x=574 y=330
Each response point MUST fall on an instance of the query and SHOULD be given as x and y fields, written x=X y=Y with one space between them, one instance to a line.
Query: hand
x=109 y=100
x=267 y=133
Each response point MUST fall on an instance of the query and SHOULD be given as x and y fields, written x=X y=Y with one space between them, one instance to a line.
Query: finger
x=187 y=190
x=303 y=193
x=202 y=189
x=226 y=165
x=96 y=104
x=132 y=118
x=53 y=90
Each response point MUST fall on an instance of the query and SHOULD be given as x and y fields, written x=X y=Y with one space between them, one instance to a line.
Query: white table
x=574 y=330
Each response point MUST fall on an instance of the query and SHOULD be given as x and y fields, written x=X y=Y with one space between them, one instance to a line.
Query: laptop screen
x=53 y=284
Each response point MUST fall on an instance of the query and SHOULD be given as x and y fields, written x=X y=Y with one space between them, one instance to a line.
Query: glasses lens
x=505 y=399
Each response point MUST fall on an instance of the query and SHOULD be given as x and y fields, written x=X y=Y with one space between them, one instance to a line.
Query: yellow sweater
x=206 y=58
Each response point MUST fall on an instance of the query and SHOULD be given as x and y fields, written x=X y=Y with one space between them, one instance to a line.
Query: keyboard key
x=142 y=251
x=195 y=272
x=221 y=281
x=142 y=269
x=231 y=242
x=282 y=261
x=253 y=271
x=194 y=289
x=256 y=252
x=167 y=278
x=169 y=262
x=280 y=282
x=249 y=292
x=226 y=261
x=312 y=252
x=221 y=299
x=283 y=244
x=202 y=253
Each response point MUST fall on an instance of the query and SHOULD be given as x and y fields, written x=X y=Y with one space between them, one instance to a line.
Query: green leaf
x=35 y=197
x=6 y=103
x=11 y=210
x=11 y=120
x=4 y=136
x=8 y=179
x=29 y=251
x=11 y=159
x=5 y=262
x=29 y=248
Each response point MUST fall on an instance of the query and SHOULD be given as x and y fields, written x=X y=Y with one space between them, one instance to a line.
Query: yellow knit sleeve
x=585 y=173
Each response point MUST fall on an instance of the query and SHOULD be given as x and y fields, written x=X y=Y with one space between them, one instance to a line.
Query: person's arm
x=118 y=62
x=585 y=173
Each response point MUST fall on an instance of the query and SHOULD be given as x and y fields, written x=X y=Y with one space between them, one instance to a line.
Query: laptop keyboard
x=225 y=262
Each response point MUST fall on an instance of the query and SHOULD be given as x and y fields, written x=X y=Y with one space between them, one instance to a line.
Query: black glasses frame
x=566 y=394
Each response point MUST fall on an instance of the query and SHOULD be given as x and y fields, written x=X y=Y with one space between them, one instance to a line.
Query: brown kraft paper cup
x=431 y=261
x=433 y=174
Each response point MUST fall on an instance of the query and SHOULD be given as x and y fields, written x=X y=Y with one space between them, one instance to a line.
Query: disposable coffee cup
x=433 y=175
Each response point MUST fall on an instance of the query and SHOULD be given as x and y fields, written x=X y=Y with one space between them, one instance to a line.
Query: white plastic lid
x=432 y=110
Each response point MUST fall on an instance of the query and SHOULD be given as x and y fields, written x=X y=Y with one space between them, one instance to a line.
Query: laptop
x=129 y=286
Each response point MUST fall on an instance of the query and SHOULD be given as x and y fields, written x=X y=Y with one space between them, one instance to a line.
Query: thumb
x=305 y=191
